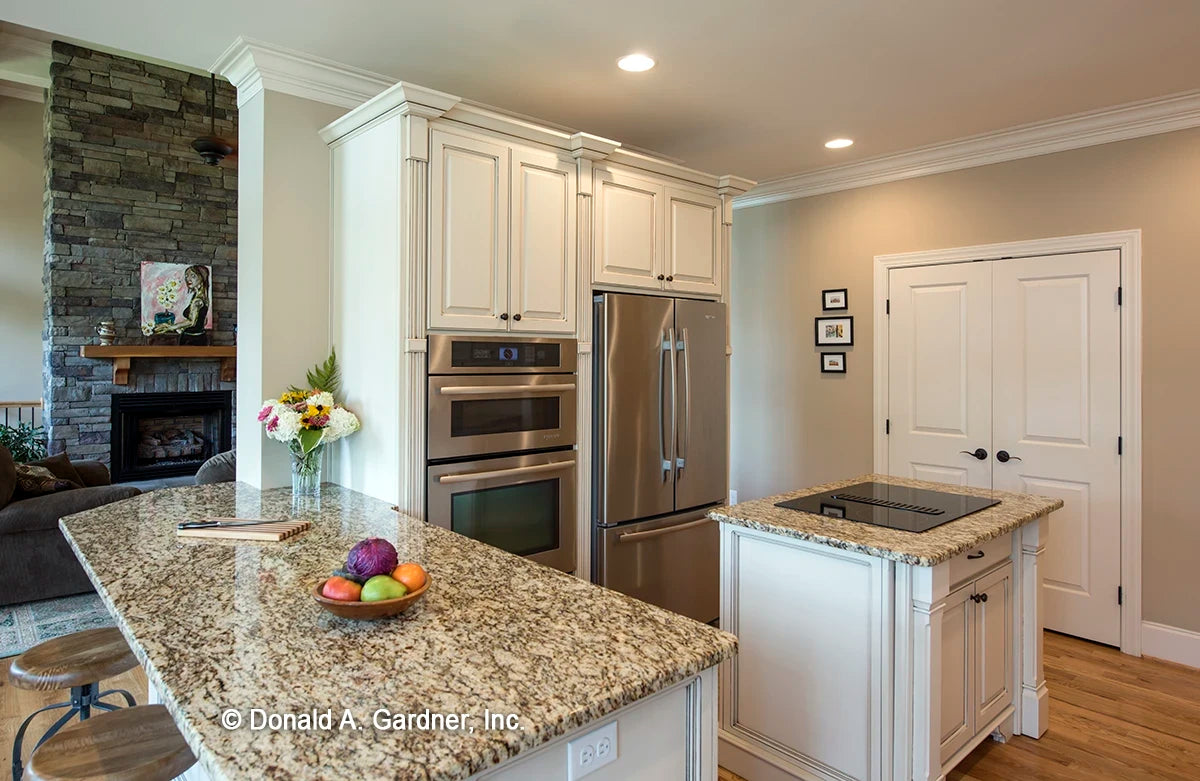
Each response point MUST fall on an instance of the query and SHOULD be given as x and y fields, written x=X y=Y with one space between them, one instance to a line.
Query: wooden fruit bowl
x=369 y=611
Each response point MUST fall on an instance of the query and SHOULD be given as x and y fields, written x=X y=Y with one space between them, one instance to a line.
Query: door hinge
x=1119 y=294
x=887 y=426
x=1120 y=595
x=1120 y=445
x=887 y=307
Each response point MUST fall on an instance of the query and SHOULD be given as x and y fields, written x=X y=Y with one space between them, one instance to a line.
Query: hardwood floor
x=1111 y=717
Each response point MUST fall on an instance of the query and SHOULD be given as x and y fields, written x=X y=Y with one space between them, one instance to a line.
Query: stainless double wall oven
x=501 y=447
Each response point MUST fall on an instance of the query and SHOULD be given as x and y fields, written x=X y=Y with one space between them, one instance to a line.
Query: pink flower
x=274 y=424
x=264 y=413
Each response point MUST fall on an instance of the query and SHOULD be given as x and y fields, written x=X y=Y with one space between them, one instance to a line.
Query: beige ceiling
x=749 y=87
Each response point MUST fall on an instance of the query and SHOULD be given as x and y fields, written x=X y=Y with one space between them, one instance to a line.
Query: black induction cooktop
x=894 y=506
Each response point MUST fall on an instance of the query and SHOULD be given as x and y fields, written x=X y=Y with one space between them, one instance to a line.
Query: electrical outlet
x=733 y=496
x=592 y=751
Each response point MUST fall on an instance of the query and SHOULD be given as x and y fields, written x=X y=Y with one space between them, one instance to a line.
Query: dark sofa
x=35 y=560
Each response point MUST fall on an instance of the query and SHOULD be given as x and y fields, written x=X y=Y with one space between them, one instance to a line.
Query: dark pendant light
x=212 y=148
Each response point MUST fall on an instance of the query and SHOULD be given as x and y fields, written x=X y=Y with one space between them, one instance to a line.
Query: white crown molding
x=252 y=66
x=12 y=89
x=1118 y=123
x=401 y=98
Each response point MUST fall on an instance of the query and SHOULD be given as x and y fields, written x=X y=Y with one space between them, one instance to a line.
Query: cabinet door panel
x=957 y=706
x=542 y=264
x=993 y=645
x=693 y=242
x=468 y=236
x=629 y=217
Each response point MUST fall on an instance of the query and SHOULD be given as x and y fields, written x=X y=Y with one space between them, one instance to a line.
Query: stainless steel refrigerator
x=659 y=452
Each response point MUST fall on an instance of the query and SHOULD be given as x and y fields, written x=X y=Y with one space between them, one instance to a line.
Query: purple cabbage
x=372 y=557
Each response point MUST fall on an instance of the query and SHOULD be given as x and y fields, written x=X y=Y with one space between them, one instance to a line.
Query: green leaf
x=310 y=438
x=326 y=376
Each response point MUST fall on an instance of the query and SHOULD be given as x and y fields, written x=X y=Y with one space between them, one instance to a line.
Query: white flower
x=342 y=423
x=322 y=399
x=147 y=329
x=284 y=424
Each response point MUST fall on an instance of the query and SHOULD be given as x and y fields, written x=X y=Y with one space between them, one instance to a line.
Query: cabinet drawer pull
x=978 y=555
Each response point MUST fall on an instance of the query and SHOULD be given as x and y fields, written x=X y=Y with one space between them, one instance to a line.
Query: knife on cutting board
x=213 y=523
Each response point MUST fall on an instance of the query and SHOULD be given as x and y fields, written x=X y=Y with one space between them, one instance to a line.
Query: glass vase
x=306 y=471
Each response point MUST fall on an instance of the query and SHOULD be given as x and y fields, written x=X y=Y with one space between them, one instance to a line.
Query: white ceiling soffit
x=1118 y=123
x=24 y=67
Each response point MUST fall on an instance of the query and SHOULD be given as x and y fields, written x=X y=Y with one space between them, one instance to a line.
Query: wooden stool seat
x=75 y=660
x=131 y=744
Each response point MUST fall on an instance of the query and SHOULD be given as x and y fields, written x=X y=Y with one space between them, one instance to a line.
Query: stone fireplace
x=156 y=435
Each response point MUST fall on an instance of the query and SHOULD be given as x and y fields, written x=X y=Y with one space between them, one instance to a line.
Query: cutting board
x=266 y=532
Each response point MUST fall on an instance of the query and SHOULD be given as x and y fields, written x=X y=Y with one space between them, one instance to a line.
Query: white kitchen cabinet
x=502 y=236
x=993 y=645
x=541 y=268
x=957 y=705
x=693 y=236
x=628 y=227
x=468 y=235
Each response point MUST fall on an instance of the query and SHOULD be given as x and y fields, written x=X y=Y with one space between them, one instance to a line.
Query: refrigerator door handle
x=668 y=460
x=662 y=439
x=685 y=432
x=635 y=536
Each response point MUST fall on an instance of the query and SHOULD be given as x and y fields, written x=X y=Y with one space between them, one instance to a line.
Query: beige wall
x=21 y=185
x=793 y=427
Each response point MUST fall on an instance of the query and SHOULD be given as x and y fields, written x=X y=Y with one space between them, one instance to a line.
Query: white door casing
x=693 y=235
x=940 y=373
x=542 y=268
x=1057 y=407
x=629 y=226
x=468 y=236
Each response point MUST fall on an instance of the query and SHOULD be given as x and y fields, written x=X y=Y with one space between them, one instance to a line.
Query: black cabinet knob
x=979 y=453
x=504 y=316
x=1004 y=457
x=517 y=316
x=983 y=597
x=670 y=278
x=661 y=277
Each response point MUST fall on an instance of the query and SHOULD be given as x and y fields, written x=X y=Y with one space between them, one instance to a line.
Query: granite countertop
x=923 y=550
x=230 y=625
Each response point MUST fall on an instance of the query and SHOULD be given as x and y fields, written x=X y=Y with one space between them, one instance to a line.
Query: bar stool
x=77 y=662
x=130 y=744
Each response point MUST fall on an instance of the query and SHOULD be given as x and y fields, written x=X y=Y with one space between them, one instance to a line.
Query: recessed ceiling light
x=635 y=63
x=839 y=143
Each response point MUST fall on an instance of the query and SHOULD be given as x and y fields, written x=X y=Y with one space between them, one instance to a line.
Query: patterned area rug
x=24 y=626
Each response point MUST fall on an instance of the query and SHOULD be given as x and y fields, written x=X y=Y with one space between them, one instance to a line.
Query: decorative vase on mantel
x=306 y=470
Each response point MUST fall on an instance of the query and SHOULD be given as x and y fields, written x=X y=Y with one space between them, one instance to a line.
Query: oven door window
x=521 y=519
x=471 y=418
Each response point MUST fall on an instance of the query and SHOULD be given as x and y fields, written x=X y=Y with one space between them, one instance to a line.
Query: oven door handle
x=516 y=471
x=503 y=390
x=635 y=536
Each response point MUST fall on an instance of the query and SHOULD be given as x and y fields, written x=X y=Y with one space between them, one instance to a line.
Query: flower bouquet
x=306 y=421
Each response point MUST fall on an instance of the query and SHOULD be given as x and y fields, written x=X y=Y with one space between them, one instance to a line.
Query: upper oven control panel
x=500 y=355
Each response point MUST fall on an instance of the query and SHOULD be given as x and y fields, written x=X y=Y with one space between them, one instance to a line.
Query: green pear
x=382 y=587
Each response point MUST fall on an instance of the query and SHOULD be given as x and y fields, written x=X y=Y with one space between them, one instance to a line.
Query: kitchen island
x=531 y=662
x=868 y=652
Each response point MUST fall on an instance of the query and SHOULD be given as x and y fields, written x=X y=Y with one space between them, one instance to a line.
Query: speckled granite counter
x=224 y=624
x=924 y=550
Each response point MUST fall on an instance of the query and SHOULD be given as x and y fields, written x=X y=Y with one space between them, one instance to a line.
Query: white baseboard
x=1171 y=643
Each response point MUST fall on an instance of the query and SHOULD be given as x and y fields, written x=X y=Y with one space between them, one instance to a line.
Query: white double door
x=1006 y=374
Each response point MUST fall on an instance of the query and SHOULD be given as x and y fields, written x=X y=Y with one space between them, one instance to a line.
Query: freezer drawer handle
x=635 y=536
x=470 y=477
x=503 y=390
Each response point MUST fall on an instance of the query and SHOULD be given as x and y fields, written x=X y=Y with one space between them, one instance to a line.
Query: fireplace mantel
x=122 y=354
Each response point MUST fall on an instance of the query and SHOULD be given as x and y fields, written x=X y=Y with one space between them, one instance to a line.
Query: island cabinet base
x=670 y=734
x=853 y=666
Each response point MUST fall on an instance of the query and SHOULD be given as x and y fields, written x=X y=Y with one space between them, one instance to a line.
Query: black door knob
x=517 y=316
x=504 y=316
x=979 y=453
x=1003 y=457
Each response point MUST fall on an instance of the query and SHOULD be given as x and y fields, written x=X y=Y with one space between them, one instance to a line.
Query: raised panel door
x=468 y=232
x=957 y=706
x=628 y=227
x=541 y=270
x=993 y=645
x=693 y=259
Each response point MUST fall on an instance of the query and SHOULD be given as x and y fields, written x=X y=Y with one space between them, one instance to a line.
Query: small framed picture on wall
x=834 y=299
x=833 y=363
x=835 y=331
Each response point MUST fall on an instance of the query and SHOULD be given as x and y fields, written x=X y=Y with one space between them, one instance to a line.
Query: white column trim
x=1129 y=244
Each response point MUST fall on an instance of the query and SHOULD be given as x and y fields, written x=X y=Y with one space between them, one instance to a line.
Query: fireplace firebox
x=168 y=434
